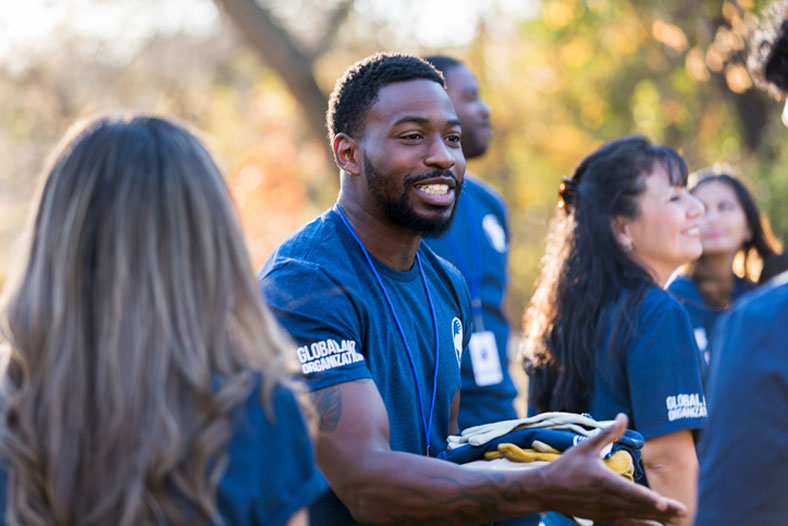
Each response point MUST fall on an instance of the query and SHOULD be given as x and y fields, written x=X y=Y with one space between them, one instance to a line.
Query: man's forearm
x=403 y=488
x=381 y=486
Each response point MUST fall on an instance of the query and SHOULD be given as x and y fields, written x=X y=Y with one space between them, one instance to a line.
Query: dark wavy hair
x=759 y=245
x=357 y=89
x=585 y=270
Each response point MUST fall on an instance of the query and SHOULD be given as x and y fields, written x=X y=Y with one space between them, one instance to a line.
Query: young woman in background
x=731 y=225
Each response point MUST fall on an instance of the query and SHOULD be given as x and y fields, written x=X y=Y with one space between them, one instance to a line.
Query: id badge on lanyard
x=485 y=359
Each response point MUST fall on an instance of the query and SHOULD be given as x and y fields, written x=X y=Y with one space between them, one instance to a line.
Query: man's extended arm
x=381 y=486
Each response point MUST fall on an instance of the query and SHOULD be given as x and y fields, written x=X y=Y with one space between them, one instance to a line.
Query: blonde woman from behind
x=144 y=383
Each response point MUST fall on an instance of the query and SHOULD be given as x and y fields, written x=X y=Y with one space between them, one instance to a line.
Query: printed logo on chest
x=495 y=232
x=456 y=335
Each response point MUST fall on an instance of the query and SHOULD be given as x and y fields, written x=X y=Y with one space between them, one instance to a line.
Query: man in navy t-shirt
x=381 y=324
x=744 y=451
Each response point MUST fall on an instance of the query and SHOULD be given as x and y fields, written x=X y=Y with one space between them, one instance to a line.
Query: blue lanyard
x=472 y=276
x=427 y=425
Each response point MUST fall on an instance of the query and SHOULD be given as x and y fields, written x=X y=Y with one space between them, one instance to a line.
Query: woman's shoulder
x=658 y=302
x=271 y=470
x=683 y=286
x=271 y=406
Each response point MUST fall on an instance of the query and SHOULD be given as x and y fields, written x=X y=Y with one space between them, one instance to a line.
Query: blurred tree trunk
x=751 y=106
x=753 y=111
x=281 y=52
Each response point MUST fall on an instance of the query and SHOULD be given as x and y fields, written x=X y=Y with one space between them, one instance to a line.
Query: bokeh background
x=561 y=77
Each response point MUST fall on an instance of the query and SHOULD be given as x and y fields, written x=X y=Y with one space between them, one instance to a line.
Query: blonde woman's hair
x=134 y=330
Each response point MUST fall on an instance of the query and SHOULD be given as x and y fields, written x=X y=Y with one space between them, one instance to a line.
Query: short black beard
x=400 y=211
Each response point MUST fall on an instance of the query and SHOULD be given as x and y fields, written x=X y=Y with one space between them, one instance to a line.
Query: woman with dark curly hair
x=144 y=383
x=602 y=336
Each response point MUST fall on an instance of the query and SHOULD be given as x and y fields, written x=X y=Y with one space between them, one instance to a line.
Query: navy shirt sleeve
x=663 y=370
x=320 y=316
x=744 y=451
x=272 y=472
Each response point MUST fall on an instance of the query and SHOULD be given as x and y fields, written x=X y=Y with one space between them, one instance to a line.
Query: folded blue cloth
x=631 y=441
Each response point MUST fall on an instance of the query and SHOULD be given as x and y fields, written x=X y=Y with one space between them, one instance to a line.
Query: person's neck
x=661 y=276
x=392 y=244
x=719 y=266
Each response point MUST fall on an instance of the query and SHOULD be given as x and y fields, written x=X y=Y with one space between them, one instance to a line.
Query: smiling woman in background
x=731 y=225
x=144 y=383
x=602 y=336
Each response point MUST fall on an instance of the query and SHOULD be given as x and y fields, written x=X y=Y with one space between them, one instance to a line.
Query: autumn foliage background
x=561 y=77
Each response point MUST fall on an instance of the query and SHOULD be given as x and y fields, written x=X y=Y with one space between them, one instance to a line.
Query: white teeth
x=694 y=231
x=437 y=189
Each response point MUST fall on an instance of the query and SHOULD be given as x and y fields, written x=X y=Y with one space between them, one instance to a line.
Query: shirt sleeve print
x=320 y=316
x=663 y=373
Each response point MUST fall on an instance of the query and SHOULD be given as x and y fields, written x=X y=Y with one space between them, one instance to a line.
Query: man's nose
x=440 y=155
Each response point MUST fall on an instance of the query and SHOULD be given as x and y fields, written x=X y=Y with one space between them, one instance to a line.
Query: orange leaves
x=271 y=195
x=695 y=64
x=670 y=35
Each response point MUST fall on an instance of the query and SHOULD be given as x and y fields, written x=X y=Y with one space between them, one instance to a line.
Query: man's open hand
x=579 y=484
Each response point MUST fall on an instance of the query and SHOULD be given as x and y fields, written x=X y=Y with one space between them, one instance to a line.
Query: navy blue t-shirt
x=654 y=376
x=703 y=316
x=272 y=472
x=477 y=244
x=325 y=295
x=744 y=450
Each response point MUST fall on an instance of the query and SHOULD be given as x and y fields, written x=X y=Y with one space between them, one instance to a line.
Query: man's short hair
x=443 y=63
x=768 y=60
x=357 y=89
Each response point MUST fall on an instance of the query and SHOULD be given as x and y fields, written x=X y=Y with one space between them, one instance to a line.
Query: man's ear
x=621 y=231
x=347 y=153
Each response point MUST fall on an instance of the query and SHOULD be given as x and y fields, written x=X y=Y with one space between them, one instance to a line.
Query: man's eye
x=412 y=136
x=454 y=138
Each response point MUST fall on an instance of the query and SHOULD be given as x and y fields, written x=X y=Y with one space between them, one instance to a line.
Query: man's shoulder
x=765 y=304
x=445 y=270
x=442 y=264
x=754 y=331
x=316 y=245
x=313 y=260
x=480 y=190
x=480 y=186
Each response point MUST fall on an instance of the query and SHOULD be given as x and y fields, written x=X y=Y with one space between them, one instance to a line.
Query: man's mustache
x=416 y=179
